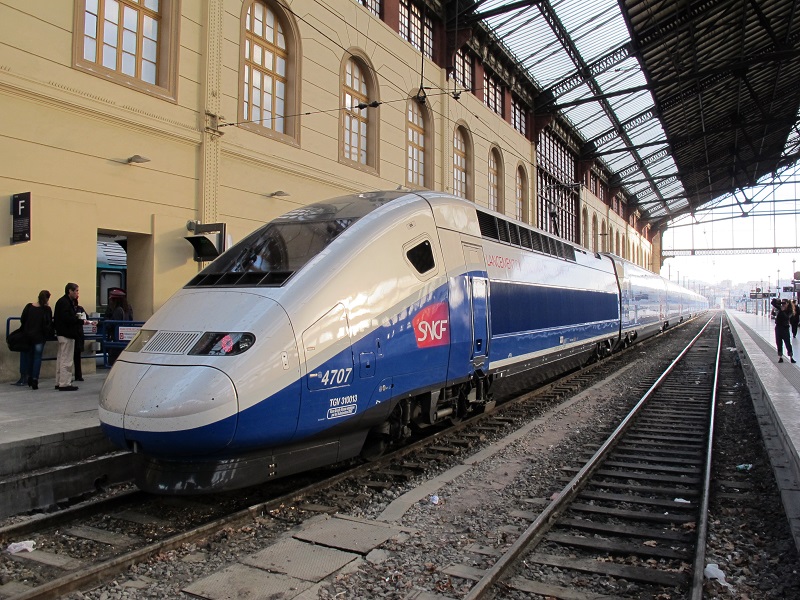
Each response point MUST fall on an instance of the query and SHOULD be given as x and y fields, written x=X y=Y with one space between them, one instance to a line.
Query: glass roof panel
x=553 y=40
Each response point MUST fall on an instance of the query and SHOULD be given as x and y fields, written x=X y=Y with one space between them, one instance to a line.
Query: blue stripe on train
x=520 y=307
x=554 y=313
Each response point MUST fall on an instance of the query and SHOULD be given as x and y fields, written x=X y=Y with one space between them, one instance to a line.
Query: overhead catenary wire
x=421 y=96
x=405 y=97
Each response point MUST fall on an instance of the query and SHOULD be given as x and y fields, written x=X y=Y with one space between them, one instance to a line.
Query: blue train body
x=342 y=326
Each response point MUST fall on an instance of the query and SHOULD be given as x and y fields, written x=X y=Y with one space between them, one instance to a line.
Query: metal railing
x=110 y=334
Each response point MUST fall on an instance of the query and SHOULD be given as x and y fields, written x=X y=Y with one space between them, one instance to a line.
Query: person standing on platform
x=782 y=314
x=79 y=341
x=118 y=310
x=37 y=323
x=794 y=320
x=67 y=322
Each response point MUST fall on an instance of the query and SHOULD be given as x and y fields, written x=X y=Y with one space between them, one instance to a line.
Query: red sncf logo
x=430 y=326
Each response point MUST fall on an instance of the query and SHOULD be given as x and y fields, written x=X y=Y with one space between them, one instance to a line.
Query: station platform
x=45 y=429
x=26 y=414
x=775 y=389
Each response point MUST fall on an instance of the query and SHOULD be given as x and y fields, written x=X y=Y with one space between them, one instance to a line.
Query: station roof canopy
x=685 y=102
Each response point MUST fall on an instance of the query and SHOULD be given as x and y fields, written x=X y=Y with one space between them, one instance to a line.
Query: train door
x=328 y=397
x=478 y=289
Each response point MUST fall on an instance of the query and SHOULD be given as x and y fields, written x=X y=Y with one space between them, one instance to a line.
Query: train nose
x=172 y=410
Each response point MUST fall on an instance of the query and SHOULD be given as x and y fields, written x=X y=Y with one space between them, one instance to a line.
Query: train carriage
x=342 y=326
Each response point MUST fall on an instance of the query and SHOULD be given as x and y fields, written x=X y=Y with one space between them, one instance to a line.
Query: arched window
x=416 y=146
x=595 y=245
x=617 y=244
x=603 y=236
x=359 y=143
x=269 y=97
x=610 y=238
x=585 y=228
x=521 y=195
x=495 y=191
x=459 y=163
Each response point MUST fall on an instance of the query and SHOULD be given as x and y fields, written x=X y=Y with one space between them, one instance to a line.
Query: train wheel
x=374 y=446
x=462 y=409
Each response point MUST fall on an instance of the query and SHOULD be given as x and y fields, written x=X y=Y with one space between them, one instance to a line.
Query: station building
x=142 y=122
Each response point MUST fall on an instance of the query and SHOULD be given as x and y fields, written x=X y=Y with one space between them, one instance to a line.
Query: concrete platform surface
x=25 y=413
x=775 y=390
x=38 y=427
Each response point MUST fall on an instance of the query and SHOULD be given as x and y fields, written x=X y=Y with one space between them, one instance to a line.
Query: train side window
x=536 y=241
x=525 y=238
x=421 y=257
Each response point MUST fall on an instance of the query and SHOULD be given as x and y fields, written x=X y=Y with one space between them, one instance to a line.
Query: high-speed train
x=342 y=326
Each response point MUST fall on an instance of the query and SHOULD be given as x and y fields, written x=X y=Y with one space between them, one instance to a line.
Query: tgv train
x=343 y=326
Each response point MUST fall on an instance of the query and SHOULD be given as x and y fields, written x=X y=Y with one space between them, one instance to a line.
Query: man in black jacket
x=67 y=322
x=782 y=315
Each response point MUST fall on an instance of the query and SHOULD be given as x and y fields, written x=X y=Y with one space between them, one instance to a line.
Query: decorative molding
x=95 y=113
x=293 y=168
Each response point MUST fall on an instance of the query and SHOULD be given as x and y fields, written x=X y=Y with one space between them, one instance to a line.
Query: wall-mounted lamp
x=138 y=159
x=277 y=194
x=208 y=240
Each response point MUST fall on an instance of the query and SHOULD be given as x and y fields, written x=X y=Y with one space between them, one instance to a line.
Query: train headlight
x=139 y=341
x=214 y=343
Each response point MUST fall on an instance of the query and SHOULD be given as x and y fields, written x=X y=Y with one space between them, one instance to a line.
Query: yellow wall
x=65 y=136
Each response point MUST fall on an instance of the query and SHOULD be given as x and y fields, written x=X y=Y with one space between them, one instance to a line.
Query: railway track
x=89 y=544
x=635 y=512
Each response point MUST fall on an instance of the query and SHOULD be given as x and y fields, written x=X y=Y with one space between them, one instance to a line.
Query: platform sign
x=21 y=218
x=126 y=334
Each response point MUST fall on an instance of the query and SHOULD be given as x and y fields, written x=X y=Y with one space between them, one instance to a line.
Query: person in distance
x=783 y=312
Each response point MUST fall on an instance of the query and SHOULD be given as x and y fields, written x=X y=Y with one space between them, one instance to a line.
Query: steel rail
x=99 y=573
x=698 y=566
x=540 y=526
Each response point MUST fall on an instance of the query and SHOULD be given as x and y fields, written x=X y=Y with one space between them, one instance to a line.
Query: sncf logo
x=430 y=326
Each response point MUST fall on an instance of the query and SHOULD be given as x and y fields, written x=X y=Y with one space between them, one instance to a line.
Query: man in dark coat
x=782 y=315
x=67 y=322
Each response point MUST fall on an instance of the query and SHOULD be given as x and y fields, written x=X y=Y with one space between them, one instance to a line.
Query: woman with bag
x=37 y=323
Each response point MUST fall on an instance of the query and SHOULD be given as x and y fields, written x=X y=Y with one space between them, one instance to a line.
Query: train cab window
x=421 y=257
x=273 y=253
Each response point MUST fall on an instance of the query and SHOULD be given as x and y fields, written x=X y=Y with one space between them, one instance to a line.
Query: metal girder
x=601 y=65
x=569 y=46
x=631 y=123
x=728 y=251
x=626 y=149
x=681 y=20
x=662 y=178
x=597 y=97
x=469 y=16
x=708 y=78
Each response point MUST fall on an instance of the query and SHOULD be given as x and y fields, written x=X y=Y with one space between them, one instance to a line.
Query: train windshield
x=271 y=254
x=280 y=247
